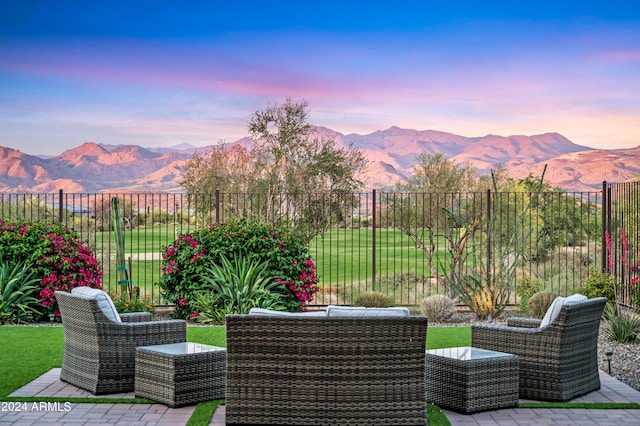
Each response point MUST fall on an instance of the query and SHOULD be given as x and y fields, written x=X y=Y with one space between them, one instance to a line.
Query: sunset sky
x=155 y=73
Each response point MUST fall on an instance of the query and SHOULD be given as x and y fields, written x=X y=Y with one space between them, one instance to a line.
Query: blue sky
x=163 y=73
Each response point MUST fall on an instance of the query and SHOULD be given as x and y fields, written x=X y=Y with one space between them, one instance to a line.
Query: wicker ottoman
x=180 y=374
x=468 y=379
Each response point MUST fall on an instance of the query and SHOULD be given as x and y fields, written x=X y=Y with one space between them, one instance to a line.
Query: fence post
x=373 y=242
x=217 y=205
x=605 y=207
x=489 y=237
x=60 y=206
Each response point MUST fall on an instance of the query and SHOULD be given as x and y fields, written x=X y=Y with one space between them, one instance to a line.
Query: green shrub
x=373 y=299
x=18 y=289
x=525 y=288
x=539 y=303
x=438 y=308
x=58 y=259
x=185 y=262
x=236 y=286
x=622 y=326
x=136 y=304
x=599 y=284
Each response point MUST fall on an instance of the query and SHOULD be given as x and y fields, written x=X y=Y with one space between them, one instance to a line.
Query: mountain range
x=391 y=153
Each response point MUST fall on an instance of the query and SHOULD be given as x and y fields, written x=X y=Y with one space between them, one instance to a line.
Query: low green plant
x=539 y=303
x=525 y=288
x=373 y=299
x=438 y=308
x=622 y=325
x=124 y=304
x=236 y=285
x=18 y=289
x=599 y=284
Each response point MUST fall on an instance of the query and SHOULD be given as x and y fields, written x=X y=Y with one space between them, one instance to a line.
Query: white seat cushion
x=104 y=301
x=361 y=311
x=557 y=304
x=269 y=312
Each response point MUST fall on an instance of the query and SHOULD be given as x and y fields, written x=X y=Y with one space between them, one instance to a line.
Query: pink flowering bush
x=186 y=260
x=57 y=257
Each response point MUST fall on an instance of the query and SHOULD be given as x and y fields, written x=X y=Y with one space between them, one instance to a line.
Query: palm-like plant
x=236 y=286
x=18 y=303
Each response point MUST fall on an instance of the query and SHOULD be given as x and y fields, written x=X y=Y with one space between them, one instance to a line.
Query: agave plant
x=236 y=285
x=18 y=289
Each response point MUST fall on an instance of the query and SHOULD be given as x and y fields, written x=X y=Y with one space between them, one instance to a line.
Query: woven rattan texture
x=469 y=386
x=177 y=380
x=99 y=354
x=558 y=362
x=320 y=371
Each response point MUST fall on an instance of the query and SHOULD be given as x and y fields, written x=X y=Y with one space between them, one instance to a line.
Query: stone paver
x=95 y=414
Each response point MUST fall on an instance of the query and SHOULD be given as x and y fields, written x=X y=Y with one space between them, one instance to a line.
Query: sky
x=163 y=73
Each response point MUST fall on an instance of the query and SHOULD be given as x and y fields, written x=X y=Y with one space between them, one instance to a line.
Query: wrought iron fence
x=401 y=244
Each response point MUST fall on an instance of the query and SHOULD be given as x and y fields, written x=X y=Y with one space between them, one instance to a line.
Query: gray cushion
x=360 y=311
x=269 y=312
x=104 y=301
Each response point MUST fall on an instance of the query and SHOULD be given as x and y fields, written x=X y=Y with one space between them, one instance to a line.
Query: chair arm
x=149 y=332
x=500 y=337
x=524 y=322
x=136 y=317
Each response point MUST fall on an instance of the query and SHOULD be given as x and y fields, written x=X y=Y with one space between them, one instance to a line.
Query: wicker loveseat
x=99 y=353
x=310 y=370
x=558 y=362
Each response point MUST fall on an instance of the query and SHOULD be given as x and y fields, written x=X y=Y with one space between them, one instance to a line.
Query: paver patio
x=156 y=414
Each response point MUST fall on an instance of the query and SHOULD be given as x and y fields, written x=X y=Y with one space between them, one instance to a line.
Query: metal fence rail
x=401 y=244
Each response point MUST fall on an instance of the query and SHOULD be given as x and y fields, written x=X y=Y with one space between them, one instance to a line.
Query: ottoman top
x=184 y=348
x=468 y=353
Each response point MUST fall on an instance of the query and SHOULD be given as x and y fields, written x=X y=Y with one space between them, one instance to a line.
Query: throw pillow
x=270 y=313
x=554 y=310
x=104 y=301
x=360 y=311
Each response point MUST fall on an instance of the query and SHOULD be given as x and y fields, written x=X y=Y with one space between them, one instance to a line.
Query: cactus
x=540 y=302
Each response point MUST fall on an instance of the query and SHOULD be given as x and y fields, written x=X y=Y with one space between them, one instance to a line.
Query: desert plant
x=525 y=288
x=622 y=325
x=236 y=286
x=539 y=303
x=486 y=287
x=373 y=299
x=18 y=289
x=438 y=308
x=123 y=269
x=599 y=284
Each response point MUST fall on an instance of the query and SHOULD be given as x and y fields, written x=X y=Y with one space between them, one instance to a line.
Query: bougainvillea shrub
x=184 y=262
x=56 y=254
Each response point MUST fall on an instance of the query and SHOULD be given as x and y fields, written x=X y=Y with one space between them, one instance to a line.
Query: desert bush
x=599 y=284
x=186 y=260
x=622 y=326
x=125 y=304
x=438 y=308
x=525 y=288
x=58 y=259
x=373 y=299
x=539 y=303
x=18 y=289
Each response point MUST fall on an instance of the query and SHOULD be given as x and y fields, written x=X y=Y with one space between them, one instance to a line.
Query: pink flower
x=193 y=315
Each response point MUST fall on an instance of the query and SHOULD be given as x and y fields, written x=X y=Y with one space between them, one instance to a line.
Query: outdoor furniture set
x=345 y=365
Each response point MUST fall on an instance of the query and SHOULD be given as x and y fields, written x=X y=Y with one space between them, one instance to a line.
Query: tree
x=304 y=174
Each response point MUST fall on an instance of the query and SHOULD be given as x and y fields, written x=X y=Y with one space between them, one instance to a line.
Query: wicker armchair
x=313 y=371
x=558 y=362
x=99 y=354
